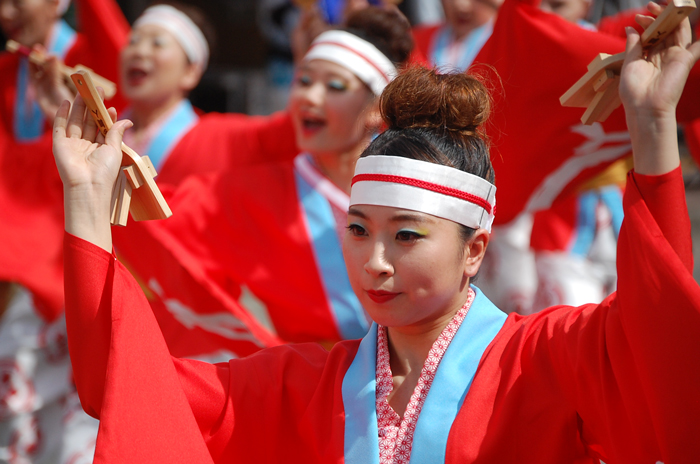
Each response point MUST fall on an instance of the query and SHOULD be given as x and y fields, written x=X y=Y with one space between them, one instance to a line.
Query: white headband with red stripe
x=430 y=188
x=355 y=54
x=185 y=31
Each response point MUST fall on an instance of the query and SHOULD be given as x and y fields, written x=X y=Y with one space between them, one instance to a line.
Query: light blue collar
x=447 y=393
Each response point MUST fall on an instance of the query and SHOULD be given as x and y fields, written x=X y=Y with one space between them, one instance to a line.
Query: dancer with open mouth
x=442 y=375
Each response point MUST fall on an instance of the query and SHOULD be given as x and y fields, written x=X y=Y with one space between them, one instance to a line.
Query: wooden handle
x=93 y=101
x=109 y=87
x=669 y=19
x=135 y=191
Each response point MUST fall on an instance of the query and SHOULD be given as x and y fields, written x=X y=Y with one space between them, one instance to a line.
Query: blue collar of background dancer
x=347 y=312
x=446 y=396
x=178 y=124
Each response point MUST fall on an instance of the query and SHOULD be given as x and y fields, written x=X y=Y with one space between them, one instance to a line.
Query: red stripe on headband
x=453 y=192
x=337 y=44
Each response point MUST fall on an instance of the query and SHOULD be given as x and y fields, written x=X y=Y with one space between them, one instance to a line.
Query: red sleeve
x=631 y=363
x=155 y=408
x=229 y=141
x=123 y=370
x=665 y=197
x=616 y=24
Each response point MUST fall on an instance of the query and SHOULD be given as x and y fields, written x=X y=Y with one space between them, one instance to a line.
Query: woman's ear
x=190 y=79
x=474 y=251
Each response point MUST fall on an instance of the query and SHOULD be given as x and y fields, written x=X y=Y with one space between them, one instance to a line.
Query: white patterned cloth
x=396 y=433
x=41 y=420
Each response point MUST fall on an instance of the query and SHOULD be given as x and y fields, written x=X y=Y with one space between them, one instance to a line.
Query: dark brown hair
x=386 y=29
x=436 y=118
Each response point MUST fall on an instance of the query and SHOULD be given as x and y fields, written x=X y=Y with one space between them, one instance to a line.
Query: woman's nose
x=314 y=94
x=140 y=47
x=378 y=263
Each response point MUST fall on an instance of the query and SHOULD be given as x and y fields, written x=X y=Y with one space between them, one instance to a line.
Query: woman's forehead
x=390 y=214
x=151 y=30
x=327 y=68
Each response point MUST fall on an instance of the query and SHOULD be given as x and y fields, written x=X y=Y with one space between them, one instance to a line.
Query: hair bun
x=423 y=98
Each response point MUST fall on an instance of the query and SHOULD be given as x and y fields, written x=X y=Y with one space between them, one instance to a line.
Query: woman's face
x=409 y=269
x=329 y=106
x=154 y=66
x=466 y=15
x=28 y=22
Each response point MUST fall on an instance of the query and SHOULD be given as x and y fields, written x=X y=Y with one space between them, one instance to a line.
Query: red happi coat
x=616 y=381
x=244 y=227
x=221 y=142
x=31 y=194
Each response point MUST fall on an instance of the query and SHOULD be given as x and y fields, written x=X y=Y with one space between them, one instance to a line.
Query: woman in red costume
x=442 y=375
x=276 y=228
x=166 y=55
x=40 y=417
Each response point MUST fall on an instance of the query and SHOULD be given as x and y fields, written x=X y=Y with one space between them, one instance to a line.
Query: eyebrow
x=402 y=217
x=356 y=212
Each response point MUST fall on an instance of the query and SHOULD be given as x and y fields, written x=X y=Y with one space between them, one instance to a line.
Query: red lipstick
x=381 y=296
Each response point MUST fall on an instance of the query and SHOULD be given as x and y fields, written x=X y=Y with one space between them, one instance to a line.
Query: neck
x=49 y=34
x=145 y=114
x=463 y=33
x=409 y=346
x=339 y=168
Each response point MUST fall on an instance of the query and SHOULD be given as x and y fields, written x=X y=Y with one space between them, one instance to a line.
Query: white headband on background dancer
x=357 y=55
x=429 y=188
x=188 y=35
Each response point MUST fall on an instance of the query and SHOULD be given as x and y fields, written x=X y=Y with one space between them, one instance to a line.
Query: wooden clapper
x=109 y=87
x=597 y=90
x=135 y=189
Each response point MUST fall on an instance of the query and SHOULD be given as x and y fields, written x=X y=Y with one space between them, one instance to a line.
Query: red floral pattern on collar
x=396 y=433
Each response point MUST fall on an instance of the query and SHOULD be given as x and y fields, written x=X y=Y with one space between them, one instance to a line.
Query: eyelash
x=332 y=85
x=337 y=86
x=408 y=236
x=401 y=236
x=356 y=230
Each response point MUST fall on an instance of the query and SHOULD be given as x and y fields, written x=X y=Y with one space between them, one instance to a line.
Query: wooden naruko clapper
x=135 y=190
x=597 y=90
x=109 y=87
